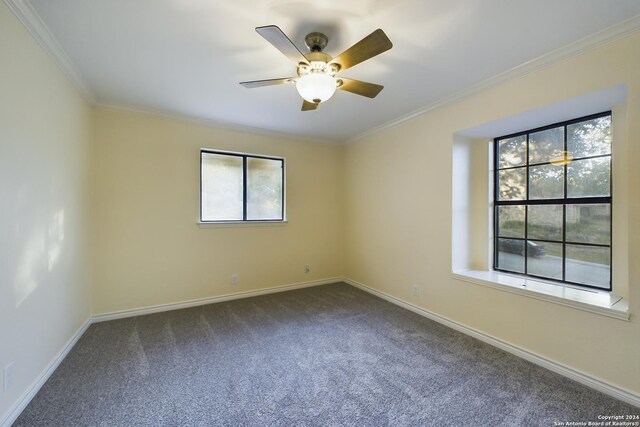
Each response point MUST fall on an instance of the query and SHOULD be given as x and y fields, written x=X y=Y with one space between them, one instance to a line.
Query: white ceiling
x=186 y=57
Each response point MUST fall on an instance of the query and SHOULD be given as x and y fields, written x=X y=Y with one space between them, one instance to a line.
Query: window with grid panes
x=552 y=202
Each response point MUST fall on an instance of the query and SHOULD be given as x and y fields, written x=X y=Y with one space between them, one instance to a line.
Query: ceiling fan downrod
x=316 y=42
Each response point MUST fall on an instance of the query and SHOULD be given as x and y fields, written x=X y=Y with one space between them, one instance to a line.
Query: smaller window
x=240 y=187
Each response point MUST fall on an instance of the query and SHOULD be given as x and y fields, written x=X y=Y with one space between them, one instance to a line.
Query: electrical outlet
x=7 y=374
x=415 y=290
x=234 y=279
x=306 y=268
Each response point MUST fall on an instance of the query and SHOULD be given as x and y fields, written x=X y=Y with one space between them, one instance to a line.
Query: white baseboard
x=581 y=377
x=35 y=386
x=33 y=389
x=203 y=301
x=588 y=380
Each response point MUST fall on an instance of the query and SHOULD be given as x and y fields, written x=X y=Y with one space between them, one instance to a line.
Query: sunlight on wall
x=42 y=249
x=28 y=273
x=56 y=237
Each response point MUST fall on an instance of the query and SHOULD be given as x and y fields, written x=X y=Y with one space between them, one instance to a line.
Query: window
x=240 y=187
x=552 y=202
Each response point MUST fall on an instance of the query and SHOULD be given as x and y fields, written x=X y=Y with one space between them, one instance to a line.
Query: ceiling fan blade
x=308 y=106
x=370 y=90
x=370 y=46
x=274 y=35
x=270 y=82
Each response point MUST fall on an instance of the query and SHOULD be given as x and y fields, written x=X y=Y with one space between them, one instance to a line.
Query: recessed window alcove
x=472 y=210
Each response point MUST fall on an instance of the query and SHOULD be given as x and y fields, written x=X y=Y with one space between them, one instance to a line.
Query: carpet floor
x=322 y=356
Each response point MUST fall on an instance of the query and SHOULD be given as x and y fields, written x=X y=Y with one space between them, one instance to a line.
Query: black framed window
x=552 y=202
x=241 y=187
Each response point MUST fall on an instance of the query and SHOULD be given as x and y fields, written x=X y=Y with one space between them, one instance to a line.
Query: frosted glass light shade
x=316 y=87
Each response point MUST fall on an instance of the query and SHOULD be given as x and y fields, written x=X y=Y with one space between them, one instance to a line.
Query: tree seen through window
x=552 y=203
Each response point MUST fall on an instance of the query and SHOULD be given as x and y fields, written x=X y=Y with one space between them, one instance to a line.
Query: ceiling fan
x=317 y=78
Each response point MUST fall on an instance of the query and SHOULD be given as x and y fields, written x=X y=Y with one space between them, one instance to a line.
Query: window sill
x=232 y=224
x=603 y=303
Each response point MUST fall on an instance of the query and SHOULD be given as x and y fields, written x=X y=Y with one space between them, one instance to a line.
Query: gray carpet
x=328 y=355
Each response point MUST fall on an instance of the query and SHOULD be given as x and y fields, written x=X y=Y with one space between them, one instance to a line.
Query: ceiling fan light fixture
x=317 y=79
x=316 y=87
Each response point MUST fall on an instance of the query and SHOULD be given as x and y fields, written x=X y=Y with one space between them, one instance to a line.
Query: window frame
x=564 y=202
x=244 y=157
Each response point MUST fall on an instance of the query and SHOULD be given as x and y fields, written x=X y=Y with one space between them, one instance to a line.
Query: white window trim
x=234 y=224
x=593 y=301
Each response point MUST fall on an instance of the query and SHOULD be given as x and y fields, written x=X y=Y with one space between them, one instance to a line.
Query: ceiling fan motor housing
x=318 y=62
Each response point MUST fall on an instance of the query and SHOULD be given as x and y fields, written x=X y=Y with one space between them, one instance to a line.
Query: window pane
x=545 y=145
x=544 y=259
x=511 y=255
x=590 y=138
x=512 y=152
x=264 y=189
x=546 y=182
x=589 y=177
x=512 y=185
x=589 y=265
x=589 y=224
x=511 y=221
x=545 y=222
x=221 y=187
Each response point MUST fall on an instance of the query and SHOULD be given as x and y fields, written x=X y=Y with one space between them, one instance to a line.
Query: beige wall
x=101 y=209
x=149 y=249
x=45 y=252
x=398 y=218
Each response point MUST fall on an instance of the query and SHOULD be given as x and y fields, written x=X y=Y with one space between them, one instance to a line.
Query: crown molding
x=213 y=123
x=24 y=11
x=593 y=41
